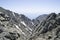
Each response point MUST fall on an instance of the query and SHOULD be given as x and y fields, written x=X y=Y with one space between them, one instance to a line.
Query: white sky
x=31 y=8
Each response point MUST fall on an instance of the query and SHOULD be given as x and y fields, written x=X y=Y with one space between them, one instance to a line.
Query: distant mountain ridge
x=39 y=19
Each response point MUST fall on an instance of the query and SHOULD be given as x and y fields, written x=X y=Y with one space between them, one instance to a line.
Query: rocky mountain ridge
x=19 y=22
x=14 y=26
x=49 y=29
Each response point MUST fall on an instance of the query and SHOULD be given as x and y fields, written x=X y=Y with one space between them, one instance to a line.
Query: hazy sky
x=31 y=8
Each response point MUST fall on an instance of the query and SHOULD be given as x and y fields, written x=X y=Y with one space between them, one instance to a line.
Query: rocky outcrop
x=7 y=29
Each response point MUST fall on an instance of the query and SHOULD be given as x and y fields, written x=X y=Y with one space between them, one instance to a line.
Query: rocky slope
x=39 y=19
x=49 y=29
x=14 y=26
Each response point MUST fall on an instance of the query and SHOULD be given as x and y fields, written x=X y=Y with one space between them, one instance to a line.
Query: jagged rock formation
x=7 y=30
x=14 y=26
x=49 y=29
